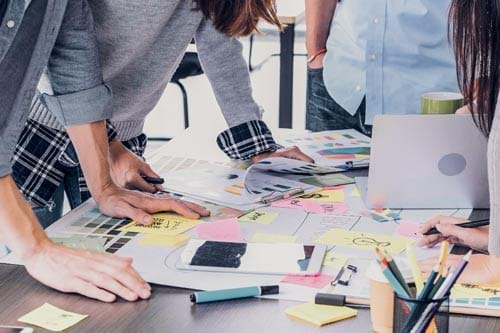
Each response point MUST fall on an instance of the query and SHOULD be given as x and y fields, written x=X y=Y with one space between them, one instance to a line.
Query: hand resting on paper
x=118 y=202
x=482 y=269
x=290 y=152
x=475 y=238
x=100 y=276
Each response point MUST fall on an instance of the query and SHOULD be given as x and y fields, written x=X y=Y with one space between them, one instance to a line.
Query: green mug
x=441 y=102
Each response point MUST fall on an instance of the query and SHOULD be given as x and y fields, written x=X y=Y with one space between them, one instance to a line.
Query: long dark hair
x=238 y=17
x=474 y=27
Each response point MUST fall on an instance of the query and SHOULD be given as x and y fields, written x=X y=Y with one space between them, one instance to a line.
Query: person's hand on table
x=476 y=238
x=122 y=203
x=482 y=269
x=100 y=276
x=127 y=169
x=290 y=152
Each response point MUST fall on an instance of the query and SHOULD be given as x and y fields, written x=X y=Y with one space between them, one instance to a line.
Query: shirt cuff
x=247 y=140
x=82 y=107
x=112 y=133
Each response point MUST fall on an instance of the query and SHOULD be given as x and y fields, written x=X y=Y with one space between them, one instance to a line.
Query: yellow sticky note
x=364 y=241
x=259 y=217
x=163 y=224
x=474 y=291
x=318 y=314
x=262 y=237
x=52 y=318
x=325 y=196
x=336 y=260
x=163 y=240
x=415 y=270
x=355 y=193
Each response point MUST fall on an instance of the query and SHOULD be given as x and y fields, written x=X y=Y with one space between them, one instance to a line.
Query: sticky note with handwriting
x=319 y=314
x=262 y=237
x=474 y=291
x=325 y=196
x=163 y=224
x=408 y=229
x=52 y=318
x=163 y=240
x=289 y=203
x=364 y=241
x=325 y=208
x=313 y=281
x=224 y=230
x=259 y=217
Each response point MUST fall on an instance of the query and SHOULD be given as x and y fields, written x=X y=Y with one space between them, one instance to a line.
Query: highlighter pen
x=230 y=294
x=153 y=180
x=340 y=300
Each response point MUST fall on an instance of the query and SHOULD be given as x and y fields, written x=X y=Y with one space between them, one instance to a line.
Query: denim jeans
x=70 y=185
x=324 y=114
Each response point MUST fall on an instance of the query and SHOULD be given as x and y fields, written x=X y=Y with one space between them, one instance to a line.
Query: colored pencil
x=445 y=288
x=397 y=273
x=398 y=288
x=470 y=224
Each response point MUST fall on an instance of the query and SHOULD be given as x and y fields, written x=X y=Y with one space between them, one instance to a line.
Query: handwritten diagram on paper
x=364 y=241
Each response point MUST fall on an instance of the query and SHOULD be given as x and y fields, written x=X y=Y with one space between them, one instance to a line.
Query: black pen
x=154 y=180
x=340 y=300
x=470 y=224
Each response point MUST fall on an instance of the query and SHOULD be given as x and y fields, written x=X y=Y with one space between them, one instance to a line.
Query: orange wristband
x=315 y=55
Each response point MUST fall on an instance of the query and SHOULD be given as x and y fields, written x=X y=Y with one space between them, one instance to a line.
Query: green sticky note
x=262 y=237
x=52 y=318
x=259 y=217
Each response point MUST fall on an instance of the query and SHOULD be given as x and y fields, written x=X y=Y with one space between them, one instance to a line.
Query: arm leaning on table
x=248 y=137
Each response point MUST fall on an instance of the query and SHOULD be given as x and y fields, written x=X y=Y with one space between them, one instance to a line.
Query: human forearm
x=319 y=14
x=91 y=144
x=19 y=228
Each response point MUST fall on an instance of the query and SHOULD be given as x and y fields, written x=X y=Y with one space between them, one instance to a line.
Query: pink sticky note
x=315 y=281
x=408 y=229
x=325 y=208
x=289 y=203
x=336 y=187
x=223 y=230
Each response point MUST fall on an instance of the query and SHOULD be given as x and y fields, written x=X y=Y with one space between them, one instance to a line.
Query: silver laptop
x=434 y=161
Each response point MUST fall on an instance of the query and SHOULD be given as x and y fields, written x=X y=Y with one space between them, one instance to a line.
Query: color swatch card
x=163 y=224
x=288 y=165
x=52 y=318
x=318 y=314
x=226 y=230
x=331 y=148
x=364 y=241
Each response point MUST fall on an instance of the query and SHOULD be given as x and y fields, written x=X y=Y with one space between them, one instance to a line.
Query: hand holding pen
x=456 y=230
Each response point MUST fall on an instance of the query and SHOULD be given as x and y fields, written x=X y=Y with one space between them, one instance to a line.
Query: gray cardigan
x=142 y=43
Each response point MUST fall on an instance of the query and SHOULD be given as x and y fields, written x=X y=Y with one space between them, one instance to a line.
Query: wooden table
x=169 y=309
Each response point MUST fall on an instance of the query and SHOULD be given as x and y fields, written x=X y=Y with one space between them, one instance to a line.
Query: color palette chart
x=332 y=148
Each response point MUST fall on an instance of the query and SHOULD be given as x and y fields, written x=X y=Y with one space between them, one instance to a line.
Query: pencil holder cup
x=421 y=316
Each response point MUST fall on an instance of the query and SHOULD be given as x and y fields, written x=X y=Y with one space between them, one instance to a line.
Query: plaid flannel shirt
x=44 y=155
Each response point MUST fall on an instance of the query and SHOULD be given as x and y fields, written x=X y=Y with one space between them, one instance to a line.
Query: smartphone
x=260 y=258
x=15 y=329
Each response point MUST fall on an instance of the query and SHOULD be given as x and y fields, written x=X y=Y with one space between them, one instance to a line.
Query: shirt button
x=10 y=24
x=358 y=88
x=373 y=57
x=376 y=20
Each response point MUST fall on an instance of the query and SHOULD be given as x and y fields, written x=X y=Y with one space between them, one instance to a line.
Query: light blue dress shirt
x=391 y=51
